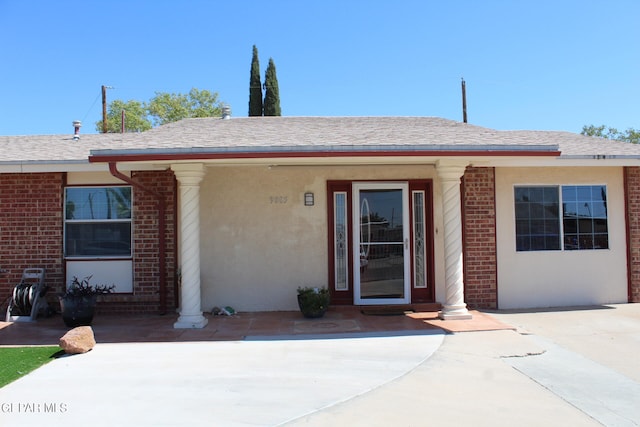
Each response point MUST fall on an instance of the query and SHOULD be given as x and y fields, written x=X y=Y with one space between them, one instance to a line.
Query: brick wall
x=30 y=229
x=632 y=197
x=146 y=260
x=479 y=236
x=31 y=235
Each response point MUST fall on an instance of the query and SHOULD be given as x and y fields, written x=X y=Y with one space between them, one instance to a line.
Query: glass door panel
x=381 y=243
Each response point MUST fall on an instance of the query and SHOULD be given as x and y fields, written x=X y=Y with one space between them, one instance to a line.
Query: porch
x=338 y=321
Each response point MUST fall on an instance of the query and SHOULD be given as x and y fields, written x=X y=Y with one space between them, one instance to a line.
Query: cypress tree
x=272 y=93
x=255 y=87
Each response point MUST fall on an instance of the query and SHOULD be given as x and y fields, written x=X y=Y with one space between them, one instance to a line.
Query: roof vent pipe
x=76 y=129
x=226 y=112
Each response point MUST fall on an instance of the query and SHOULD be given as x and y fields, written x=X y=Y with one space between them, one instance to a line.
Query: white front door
x=381 y=255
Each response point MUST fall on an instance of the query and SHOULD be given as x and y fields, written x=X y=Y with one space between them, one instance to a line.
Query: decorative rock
x=78 y=340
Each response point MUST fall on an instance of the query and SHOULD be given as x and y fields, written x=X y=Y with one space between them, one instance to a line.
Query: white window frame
x=96 y=221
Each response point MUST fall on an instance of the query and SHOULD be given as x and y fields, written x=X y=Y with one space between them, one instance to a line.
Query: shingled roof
x=307 y=134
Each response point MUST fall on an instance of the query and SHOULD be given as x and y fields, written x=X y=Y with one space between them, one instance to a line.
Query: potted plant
x=313 y=302
x=78 y=303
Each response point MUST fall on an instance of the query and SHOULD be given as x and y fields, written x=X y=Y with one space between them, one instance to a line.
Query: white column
x=450 y=173
x=189 y=177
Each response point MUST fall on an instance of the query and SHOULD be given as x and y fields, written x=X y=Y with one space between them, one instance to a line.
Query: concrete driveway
x=573 y=367
x=608 y=335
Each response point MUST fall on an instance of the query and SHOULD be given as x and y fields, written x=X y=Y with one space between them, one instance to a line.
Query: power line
x=90 y=108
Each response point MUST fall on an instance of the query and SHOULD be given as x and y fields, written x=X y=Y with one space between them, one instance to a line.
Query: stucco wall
x=556 y=278
x=259 y=242
x=93 y=178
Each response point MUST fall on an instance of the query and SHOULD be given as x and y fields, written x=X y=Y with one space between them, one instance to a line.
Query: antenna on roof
x=464 y=101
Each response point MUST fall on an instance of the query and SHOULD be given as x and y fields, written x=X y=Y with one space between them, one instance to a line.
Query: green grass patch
x=16 y=362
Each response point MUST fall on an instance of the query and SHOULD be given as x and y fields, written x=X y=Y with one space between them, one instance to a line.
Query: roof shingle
x=307 y=134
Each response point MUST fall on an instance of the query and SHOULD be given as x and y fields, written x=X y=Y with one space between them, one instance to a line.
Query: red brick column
x=146 y=234
x=632 y=198
x=146 y=260
x=479 y=238
x=30 y=229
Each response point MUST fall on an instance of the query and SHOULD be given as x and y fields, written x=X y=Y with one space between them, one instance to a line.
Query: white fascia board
x=42 y=166
x=554 y=162
x=82 y=166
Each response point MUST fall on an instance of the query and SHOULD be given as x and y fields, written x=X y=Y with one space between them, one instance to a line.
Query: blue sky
x=543 y=64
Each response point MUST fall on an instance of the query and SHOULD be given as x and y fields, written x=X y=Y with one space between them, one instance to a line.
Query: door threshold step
x=399 y=308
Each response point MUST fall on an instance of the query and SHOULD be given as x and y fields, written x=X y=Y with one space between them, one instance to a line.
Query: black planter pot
x=313 y=306
x=78 y=311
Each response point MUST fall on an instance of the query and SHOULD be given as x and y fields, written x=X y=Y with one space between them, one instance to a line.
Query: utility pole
x=104 y=107
x=464 y=101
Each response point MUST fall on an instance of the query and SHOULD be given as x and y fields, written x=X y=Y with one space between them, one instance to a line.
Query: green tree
x=136 y=119
x=255 y=86
x=162 y=109
x=629 y=135
x=272 y=93
x=170 y=107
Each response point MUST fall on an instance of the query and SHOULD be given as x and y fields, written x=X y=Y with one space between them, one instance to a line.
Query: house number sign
x=278 y=200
